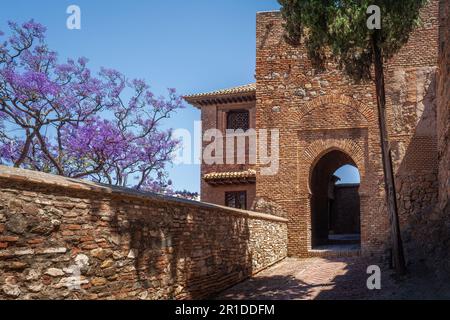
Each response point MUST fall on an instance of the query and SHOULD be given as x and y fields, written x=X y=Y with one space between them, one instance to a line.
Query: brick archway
x=309 y=158
x=329 y=124
x=317 y=149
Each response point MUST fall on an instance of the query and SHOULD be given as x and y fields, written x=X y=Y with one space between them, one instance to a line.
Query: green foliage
x=340 y=28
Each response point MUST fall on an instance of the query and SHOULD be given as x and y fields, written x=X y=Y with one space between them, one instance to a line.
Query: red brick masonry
x=319 y=112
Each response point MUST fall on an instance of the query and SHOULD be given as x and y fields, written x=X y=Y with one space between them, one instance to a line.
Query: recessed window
x=238 y=119
x=236 y=200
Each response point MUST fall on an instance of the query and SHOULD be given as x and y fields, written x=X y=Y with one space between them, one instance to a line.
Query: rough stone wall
x=427 y=236
x=320 y=112
x=432 y=238
x=411 y=105
x=443 y=114
x=62 y=238
x=213 y=117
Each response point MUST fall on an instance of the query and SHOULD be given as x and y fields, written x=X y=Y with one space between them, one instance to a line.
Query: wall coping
x=41 y=178
x=269 y=12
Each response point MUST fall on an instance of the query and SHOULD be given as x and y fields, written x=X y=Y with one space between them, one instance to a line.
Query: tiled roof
x=243 y=176
x=220 y=96
x=248 y=88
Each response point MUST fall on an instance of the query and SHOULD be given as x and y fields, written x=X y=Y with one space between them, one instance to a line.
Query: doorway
x=335 y=202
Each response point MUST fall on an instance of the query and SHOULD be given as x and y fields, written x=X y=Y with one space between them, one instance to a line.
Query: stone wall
x=432 y=234
x=443 y=113
x=319 y=112
x=63 y=238
x=427 y=235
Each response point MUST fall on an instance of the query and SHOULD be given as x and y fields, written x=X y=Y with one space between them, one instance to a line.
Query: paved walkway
x=319 y=278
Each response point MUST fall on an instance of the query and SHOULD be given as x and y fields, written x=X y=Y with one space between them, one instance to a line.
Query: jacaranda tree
x=338 y=29
x=62 y=118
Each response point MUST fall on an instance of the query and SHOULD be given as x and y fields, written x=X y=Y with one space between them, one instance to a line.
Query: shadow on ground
x=332 y=279
x=270 y=288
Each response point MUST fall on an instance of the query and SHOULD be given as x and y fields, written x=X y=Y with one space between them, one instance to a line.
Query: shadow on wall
x=183 y=254
x=126 y=248
x=179 y=252
x=425 y=231
x=268 y=206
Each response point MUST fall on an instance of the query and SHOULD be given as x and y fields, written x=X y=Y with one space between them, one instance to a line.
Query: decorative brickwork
x=355 y=105
x=321 y=112
x=326 y=120
x=65 y=239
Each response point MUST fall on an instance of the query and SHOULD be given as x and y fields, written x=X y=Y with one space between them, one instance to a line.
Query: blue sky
x=190 y=45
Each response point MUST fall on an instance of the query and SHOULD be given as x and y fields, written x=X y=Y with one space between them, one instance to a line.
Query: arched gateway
x=324 y=120
x=335 y=207
x=335 y=216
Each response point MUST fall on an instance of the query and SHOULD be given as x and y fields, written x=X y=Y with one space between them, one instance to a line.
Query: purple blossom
x=67 y=120
x=37 y=29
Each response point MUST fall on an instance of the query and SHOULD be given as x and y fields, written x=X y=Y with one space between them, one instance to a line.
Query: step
x=334 y=253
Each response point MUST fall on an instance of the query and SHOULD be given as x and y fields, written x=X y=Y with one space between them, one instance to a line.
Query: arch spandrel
x=366 y=111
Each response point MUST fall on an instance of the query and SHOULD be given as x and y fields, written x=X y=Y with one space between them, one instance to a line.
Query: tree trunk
x=47 y=153
x=25 y=150
x=389 y=180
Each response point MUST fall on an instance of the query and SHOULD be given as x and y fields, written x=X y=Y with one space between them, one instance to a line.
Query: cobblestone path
x=320 y=278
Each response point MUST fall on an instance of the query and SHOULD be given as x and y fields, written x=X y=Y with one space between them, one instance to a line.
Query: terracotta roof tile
x=230 y=175
x=248 y=88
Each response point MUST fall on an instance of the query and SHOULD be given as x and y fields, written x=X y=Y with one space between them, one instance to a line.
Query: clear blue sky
x=191 y=45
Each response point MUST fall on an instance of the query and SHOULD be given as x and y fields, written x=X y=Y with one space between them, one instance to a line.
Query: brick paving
x=326 y=279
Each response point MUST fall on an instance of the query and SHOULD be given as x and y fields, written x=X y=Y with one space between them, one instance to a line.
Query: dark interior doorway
x=335 y=203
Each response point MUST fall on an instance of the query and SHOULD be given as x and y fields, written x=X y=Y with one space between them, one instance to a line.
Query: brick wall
x=426 y=226
x=346 y=210
x=216 y=194
x=123 y=244
x=324 y=111
x=443 y=113
x=411 y=104
x=213 y=117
